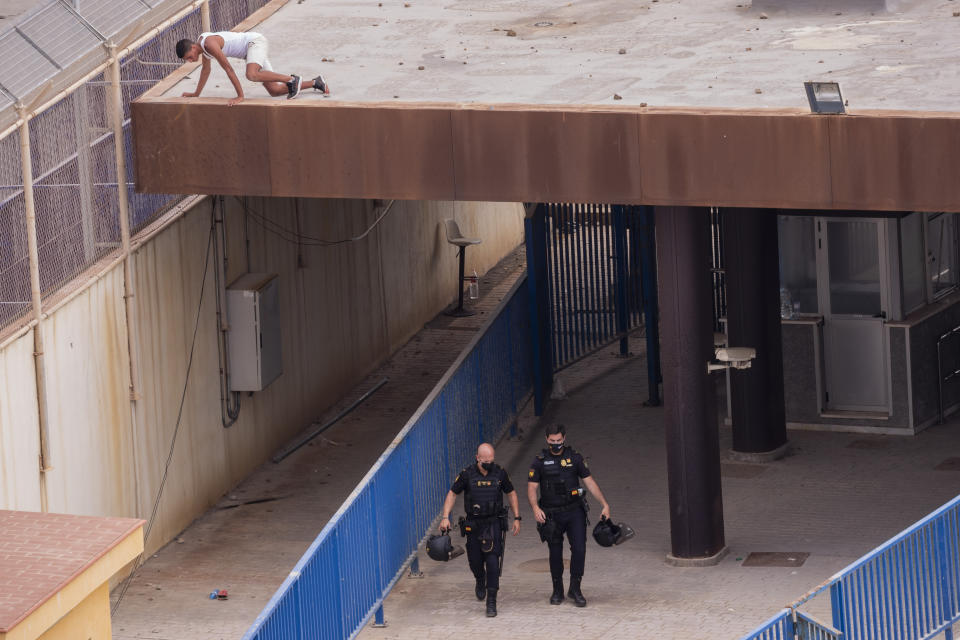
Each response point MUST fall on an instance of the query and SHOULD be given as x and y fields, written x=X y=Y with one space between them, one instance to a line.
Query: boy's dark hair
x=553 y=429
x=183 y=47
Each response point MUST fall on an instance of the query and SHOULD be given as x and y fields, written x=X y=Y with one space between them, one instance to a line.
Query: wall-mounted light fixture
x=824 y=97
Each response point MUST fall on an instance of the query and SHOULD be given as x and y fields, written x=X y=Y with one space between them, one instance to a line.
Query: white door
x=853 y=299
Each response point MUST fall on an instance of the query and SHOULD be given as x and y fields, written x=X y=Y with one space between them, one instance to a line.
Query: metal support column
x=620 y=264
x=116 y=115
x=205 y=17
x=651 y=317
x=535 y=231
x=753 y=320
x=690 y=415
x=40 y=372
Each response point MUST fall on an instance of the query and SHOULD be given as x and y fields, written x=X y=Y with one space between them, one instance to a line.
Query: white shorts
x=257 y=52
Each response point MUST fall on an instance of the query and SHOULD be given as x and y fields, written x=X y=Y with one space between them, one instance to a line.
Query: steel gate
x=597 y=264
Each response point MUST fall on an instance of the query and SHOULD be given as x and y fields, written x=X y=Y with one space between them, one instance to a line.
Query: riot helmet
x=441 y=549
x=607 y=534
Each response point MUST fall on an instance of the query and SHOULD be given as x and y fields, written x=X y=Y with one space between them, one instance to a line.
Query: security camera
x=736 y=357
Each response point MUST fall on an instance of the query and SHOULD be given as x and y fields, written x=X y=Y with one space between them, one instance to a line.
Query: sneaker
x=293 y=88
x=321 y=86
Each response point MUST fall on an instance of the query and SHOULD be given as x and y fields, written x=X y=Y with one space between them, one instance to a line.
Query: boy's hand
x=233 y=101
x=189 y=94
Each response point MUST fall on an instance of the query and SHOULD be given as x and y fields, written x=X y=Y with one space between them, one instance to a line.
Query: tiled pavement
x=835 y=496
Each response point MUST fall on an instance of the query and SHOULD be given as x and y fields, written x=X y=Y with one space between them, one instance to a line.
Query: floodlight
x=824 y=97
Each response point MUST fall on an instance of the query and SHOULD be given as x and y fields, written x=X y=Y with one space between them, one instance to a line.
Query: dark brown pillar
x=690 y=408
x=752 y=265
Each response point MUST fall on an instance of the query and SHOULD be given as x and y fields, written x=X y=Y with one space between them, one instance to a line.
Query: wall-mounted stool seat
x=457 y=239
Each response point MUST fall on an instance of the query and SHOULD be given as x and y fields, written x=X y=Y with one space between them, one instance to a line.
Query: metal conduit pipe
x=30 y=215
x=228 y=413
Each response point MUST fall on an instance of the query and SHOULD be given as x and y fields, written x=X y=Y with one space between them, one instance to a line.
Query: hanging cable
x=176 y=430
x=294 y=237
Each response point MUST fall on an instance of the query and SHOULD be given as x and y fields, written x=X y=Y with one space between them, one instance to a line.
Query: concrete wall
x=346 y=308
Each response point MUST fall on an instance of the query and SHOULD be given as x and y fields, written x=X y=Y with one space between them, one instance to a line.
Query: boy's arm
x=204 y=74
x=214 y=50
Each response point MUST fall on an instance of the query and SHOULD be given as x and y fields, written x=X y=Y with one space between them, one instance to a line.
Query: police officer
x=557 y=472
x=485 y=484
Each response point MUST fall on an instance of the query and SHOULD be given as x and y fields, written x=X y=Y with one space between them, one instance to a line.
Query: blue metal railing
x=345 y=575
x=906 y=589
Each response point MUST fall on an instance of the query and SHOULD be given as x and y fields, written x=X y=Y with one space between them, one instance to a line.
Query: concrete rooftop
x=665 y=53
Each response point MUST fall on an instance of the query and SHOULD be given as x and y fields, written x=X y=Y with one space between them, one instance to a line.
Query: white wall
x=346 y=308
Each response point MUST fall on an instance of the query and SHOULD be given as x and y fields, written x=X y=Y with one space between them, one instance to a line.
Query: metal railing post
x=30 y=215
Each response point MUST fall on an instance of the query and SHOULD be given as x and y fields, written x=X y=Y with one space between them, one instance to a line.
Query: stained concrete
x=696 y=53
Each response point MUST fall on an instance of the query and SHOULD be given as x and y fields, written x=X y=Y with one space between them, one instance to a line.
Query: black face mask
x=487 y=466
x=556 y=448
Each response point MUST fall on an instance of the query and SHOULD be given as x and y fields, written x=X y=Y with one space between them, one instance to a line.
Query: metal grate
x=24 y=67
x=58 y=34
x=109 y=17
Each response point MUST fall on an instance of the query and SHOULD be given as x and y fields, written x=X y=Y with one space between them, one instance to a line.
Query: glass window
x=912 y=262
x=798 y=261
x=941 y=252
x=854 y=263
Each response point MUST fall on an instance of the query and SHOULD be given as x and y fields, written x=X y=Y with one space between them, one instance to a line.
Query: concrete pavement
x=835 y=497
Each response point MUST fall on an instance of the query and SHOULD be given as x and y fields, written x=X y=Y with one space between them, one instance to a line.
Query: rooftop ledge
x=711 y=111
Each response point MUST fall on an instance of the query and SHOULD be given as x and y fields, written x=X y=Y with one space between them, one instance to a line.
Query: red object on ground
x=222 y=594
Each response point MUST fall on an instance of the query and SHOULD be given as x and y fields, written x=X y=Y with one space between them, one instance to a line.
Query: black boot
x=557 y=596
x=491 y=603
x=574 y=592
x=481 y=589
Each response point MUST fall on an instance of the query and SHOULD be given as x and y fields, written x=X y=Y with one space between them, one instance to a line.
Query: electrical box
x=253 y=311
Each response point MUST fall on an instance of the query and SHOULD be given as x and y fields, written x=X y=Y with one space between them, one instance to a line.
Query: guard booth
x=868 y=301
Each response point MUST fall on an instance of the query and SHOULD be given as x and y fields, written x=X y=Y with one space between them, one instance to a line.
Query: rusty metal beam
x=633 y=155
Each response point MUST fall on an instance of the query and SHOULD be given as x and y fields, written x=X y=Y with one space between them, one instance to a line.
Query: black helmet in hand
x=608 y=534
x=440 y=548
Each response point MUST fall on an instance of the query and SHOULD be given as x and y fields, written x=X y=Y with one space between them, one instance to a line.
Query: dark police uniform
x=561 y=498
x=485 y=519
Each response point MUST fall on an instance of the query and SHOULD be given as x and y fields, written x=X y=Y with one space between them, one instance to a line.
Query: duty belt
x=570 y=507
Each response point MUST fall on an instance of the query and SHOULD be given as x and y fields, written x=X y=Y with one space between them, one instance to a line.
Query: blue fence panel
x=779 y=627
x=337 y=586
x=906 y=589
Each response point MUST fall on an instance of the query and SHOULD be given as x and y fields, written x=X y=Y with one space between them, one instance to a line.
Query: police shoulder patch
x=530 y=473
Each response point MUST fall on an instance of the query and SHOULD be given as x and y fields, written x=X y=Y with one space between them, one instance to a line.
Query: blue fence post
x=538 y=283
x=415 y=568
x=944 y=560
x=838 y=606
x=620 y=279
x=651 y=321
x=378 y=620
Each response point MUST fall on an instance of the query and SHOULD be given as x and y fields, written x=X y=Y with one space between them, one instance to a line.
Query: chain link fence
x=72 y=146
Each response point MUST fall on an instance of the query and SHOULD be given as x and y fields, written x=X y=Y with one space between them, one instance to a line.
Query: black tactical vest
x=482 y=498
x=559 y=482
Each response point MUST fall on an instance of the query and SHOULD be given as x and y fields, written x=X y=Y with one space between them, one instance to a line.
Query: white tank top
x=234 y=43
